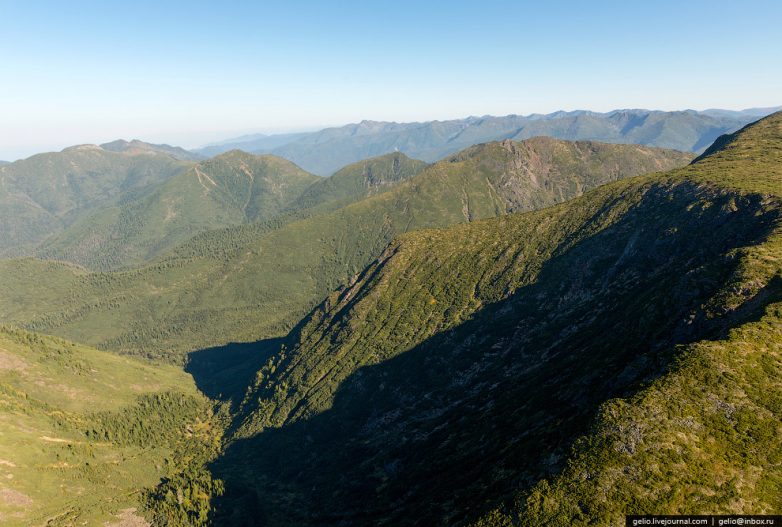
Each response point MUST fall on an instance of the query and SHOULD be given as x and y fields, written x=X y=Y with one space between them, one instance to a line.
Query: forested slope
x=617 y=353
x=255 y=282
x=234 y=188
x=44 y=194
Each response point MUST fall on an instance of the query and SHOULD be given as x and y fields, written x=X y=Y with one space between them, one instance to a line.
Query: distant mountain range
x=257 y=142
x=139 y=147
x=325 y=151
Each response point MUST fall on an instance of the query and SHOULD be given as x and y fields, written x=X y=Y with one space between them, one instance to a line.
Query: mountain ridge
x=519 y=355
x=256 y=281
x=136 y=146
x=45 y=193
x=324 y=151
x=536 y=332
x=230 y=189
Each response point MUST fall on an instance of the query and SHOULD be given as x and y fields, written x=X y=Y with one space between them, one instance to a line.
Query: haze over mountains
x=112 y=220
x=325 y=151
x=45 y=193
x=521 y=332
x=419 y=296
x=100 y=206
x=136 y=146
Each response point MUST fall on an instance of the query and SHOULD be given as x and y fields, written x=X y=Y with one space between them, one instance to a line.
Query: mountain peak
x=749 y=160
x=138 y=147
x=325 y=151
x=82 y=148
x=750 y=137
x=380 y=171
x=237 y=155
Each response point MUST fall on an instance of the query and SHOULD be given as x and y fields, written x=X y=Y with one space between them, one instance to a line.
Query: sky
x=188 y=73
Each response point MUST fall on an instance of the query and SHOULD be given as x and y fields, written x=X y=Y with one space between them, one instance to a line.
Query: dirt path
x=128 y=518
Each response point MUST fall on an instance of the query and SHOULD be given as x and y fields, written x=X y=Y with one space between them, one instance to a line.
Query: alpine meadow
x=361 y=264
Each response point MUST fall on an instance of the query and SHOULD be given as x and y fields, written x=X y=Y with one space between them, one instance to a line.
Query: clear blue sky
x=191 y=72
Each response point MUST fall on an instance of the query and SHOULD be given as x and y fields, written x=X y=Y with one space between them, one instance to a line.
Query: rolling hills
x=42 y=195
x=231 y=189
x=530 y=333
x=86 y=434
x=325 y=151
x=256 y=281
x=616 y=353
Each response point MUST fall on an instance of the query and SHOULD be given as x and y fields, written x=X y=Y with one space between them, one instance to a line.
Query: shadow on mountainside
x=223 y=373
x=464 y=420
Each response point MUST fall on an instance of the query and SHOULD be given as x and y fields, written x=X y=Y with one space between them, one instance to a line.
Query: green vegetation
x=360 y=180
x=42 y=195
x=705 y=437
x=617 y=353
x=232 y=189
x=493 y=351
x=85 y=433
x=256 y=282
x=325 y=151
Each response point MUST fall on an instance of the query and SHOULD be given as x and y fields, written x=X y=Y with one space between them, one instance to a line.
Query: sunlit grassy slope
x=83 y=433
x=256 y=281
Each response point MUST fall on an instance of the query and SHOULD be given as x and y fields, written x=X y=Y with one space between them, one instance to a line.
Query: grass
x=84 y=432
x=617 y=352
x=704 y=437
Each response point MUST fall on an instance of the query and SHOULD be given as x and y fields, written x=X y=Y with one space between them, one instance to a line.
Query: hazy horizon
x=192 y=74
x=220 y=137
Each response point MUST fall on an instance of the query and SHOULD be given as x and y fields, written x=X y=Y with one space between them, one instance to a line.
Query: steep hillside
x=231 y=189
x=137 y=147
x=43 y=194
x=360 y=180
x=256 y=281
x=706 y=435
x=617 y=353
x=85 y=432
x=324 y=151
